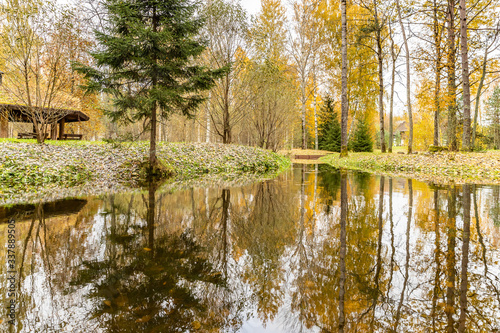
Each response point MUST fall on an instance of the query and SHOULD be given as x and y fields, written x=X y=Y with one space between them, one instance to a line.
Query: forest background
x=285 y=63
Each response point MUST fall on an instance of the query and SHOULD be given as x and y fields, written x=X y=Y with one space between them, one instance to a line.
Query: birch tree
x=451 y=71
x=344 y=105
x=376 y=28
x=408 y=79
x=465 y=75
x=304 y=46
x=226 y=27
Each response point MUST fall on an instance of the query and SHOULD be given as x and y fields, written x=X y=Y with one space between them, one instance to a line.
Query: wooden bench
x=68 y=136
x=308 y=157
x=29 y=135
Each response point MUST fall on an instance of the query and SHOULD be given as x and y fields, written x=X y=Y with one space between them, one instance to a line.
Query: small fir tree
x=362 y=140
x=329 y=128
x=146 y=62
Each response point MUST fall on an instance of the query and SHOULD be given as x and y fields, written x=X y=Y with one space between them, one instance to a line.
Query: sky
x=252 y=6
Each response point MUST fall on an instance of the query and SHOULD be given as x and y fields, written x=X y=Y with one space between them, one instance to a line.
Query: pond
x=313 y=250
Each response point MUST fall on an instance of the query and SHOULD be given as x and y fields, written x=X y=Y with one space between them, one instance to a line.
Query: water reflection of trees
x=151 y=281
x=264 y=233
x=334 y=251
x=392 y=281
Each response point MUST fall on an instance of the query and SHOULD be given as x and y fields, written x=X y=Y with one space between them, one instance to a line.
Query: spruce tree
x=362 y=141
x=146 y=62
x=329 y=128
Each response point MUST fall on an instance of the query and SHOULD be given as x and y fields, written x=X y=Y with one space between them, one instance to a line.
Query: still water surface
x=313 y=250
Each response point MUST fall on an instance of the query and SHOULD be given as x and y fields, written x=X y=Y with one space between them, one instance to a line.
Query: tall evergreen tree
x=146 y=62
x=329 y=128
x=362 y=141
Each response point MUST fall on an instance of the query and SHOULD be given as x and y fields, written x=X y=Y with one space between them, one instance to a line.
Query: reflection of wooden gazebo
x=17 y=113
x=50 y=209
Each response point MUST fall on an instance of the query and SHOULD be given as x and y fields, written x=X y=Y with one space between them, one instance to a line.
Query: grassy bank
x=29 y=171
x=481 y=168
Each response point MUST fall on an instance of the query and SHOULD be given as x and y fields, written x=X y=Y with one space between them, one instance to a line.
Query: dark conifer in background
x=362 y=140
x=329 y=127
x=146 y=61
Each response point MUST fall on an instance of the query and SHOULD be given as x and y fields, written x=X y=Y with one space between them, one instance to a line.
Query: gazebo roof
x=17 y=114
x=402 y=127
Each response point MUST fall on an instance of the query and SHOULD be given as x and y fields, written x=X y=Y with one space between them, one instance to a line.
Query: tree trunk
x=451 y=231
x=151 y=216
x=393 y=82
x=344 y=106
x=226 y=138
x=452 y=102
x=303 y=100
x=437 y=87
x=207 y=136
x=478 y=97
x=408 y=81
x=380 y=80
x=152 y=137
x=315 y=116
x=437 y=259
x=343 y=245
x=407 y=261
x=465 y=260
x=465 y=75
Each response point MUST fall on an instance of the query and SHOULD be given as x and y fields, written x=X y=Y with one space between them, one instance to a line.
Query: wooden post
x=53 y=131
x=61 y=129
x=4 y=124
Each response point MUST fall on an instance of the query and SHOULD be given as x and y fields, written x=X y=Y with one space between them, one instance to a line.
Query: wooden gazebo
x=17 y=113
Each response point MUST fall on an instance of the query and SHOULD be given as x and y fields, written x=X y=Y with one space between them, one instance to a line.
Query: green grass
x=54 y=142
x=438 y=168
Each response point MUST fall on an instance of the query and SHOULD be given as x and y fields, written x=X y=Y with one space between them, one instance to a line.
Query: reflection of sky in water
x=301 y=250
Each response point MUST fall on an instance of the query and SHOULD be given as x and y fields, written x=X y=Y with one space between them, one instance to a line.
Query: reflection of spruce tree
x=150 y=284
x=329 y=127
x=362 y=140
x=329 y=182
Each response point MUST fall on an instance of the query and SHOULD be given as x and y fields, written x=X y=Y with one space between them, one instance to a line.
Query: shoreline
x=438 y=168
x=30 y=172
